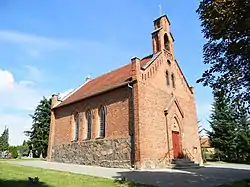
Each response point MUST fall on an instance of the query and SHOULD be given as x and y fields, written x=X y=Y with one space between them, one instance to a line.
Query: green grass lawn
x=17 y=176
x=21 y=159
x=221 y=162
x=244 y=183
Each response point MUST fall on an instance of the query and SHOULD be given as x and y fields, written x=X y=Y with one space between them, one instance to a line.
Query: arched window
x=173 y=80
x=157 y=43
x=166 y=42
x=76 y=127
x=102 y=114
x=89 y=124
x=167 y=78
x=157 y=24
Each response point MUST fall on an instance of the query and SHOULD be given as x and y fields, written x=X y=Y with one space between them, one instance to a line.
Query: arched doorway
x=176 y=138
x=166 y=42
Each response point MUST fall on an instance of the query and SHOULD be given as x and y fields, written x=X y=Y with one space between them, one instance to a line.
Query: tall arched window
x=89 y=124
x=102 y=114
x=167 y=78
x=157 y=43
x=166 y=42
x=173 y=80
x=76 y=127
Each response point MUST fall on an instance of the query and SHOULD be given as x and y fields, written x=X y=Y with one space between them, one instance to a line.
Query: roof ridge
x=109 y=72
x=148 y=56
x=151 y=55
x=71 y=93
x=112 y=79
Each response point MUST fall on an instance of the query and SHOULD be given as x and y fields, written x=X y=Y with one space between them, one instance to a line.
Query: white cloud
x=18 y=99
x=17 y=95
x=17 y=125
x=23 y=38
x=27 y=83
x=6 y=80
x=64 y=94
x=22 y=95
x=33 y=44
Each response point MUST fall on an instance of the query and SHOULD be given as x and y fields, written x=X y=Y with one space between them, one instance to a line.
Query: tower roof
x=162 y=16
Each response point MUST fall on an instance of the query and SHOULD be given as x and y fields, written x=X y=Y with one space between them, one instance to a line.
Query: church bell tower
x=162 y=39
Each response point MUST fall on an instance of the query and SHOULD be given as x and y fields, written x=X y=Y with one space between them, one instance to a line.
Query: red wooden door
x=176 y=143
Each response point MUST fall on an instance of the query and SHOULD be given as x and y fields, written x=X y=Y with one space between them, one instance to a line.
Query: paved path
x=73 y=168
x=205 y=177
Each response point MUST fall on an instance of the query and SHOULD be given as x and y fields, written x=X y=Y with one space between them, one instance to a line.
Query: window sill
x=86 y=139
x=99 y=138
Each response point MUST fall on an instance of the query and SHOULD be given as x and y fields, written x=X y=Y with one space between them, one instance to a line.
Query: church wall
x=156 y=150
x=190 y=122
x=155 y=132
x=153 y=97
x=112 y=151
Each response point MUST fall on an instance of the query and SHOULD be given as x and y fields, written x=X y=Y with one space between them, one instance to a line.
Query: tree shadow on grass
x=124 y=182
x=21 y=183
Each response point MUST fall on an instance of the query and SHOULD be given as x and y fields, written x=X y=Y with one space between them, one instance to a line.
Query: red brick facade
x=149 y=101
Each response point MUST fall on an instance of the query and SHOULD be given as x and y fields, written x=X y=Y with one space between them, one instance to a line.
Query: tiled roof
x=103 y=83
x=205 y=142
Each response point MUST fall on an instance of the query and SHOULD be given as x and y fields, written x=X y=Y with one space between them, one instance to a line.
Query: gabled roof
x=156 y=30
x=161 y=17
x=184 y=77
x=103 y=83
x=150 y=61
x=205 y=142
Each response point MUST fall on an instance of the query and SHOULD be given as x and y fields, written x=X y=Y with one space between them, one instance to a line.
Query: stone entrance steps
x=183 y=164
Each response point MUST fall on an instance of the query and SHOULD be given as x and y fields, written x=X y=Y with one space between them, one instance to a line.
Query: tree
x=243 y=134
x=4 y=140
x=39 y=133
x=226 y=26
x=224 y=127
x=24 y=143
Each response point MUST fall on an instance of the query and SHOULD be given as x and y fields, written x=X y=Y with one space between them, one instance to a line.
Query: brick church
x=142 y=115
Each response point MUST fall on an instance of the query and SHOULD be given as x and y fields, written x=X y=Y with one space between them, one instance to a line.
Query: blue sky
x=51 y=46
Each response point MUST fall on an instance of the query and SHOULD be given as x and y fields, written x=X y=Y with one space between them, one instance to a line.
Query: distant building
x=141 y=115
x=206 y=145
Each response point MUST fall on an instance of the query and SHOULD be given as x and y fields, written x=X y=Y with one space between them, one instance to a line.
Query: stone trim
x=115 y=153
x=170 y=103
x=155 y=56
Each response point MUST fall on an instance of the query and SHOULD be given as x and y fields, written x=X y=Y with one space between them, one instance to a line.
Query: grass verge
x=22 y=176
x=224 y=163
x=21 y=159
x=243 y=183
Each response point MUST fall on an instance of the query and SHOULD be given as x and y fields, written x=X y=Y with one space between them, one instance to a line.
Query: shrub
x=22 y=150
x=203 y=154
x=13 y=151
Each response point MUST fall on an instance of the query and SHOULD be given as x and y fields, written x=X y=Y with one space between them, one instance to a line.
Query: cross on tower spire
x=160 y=9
